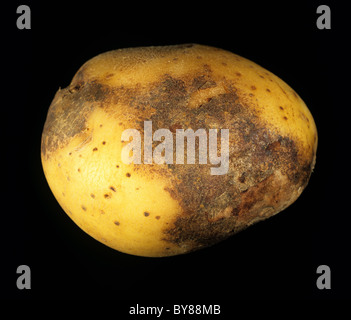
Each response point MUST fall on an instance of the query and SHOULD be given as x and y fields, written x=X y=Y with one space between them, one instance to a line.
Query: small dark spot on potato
x=70 y=154
x=113 y=189
x=207 y=68
x=95 y=149
x=128 y=174
x=116 y=223
x=109 y=75
x=157 y=217
x=253 y=87
x=75 y=88
x=107 y=196
x=92 y=195
x=84 y=208
x=285 y=118
x=120 y=123
x=100 y=125
x=281 y=108
x=242 y=177
x=117 y=166
x=251 y=95
x=261 y=76
x=224 y=63
x=238 y=74
x=268 y=90
x=102 y=211
x=103 y=142
x=78 y=169
x=146 y=214
x=136 y=188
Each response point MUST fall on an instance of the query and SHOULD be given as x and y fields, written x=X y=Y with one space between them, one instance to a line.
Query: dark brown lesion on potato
x=66 y=118
x=70 y=108
x=215 y=207
x=226 y=207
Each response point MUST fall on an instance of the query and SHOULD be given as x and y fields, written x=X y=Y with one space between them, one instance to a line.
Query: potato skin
x=163 y=210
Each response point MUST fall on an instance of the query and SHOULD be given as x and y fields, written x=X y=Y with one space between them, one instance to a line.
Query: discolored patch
x=70 y=105
x=219 y=206
x=195 y=231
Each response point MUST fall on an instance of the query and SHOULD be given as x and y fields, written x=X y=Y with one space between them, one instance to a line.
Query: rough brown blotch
x=227 y=205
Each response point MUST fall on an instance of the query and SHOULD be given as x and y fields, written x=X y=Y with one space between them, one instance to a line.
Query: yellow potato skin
x=160 y=210
x=93 y=186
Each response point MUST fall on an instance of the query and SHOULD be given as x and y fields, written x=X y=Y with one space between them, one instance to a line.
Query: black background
x=275 y=259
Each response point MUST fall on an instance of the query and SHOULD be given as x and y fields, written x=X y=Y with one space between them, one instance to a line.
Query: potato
x=164 y=209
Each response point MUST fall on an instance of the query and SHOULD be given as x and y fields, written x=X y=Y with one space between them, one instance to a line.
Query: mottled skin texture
x=273 y=142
